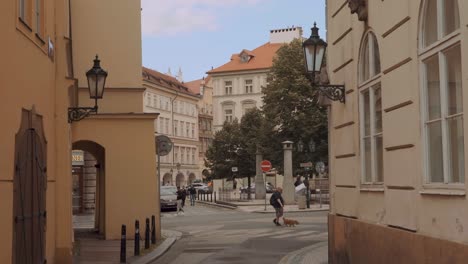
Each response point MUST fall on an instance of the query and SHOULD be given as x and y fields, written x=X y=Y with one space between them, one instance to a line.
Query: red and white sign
x=265 y=165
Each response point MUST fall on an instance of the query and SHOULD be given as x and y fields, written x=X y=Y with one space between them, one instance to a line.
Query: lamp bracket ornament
x=359 y=7
x=79 y=113
x=333 y=92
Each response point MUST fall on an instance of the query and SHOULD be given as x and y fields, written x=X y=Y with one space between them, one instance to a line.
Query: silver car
x=168 y=197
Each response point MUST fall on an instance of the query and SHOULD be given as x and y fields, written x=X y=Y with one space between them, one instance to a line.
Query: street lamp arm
x=79 y=113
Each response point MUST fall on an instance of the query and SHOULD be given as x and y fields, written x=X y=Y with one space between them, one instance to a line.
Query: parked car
x=269 y=188
x=201 y=187
x=168 y=197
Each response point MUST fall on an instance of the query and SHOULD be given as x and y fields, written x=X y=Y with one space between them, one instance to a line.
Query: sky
x=197 y=35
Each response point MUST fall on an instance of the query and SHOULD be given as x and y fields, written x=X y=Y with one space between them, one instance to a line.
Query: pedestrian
x=179 y=200
x=184 y=196
x=298 y=180
x=276 y=200
x=193 y=193
x=235 y=184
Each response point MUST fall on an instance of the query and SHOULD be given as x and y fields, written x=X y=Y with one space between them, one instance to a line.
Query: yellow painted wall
x=115 y=100
x=130 y=164
x=112 y=29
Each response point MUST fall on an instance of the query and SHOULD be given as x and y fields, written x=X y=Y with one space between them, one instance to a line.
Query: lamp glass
x=314 y=57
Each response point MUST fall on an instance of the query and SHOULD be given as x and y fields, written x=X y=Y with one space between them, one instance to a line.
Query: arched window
x=369 y=58
x=440 y=18
x=228 y=111
x=370 y=108
x=442 y=100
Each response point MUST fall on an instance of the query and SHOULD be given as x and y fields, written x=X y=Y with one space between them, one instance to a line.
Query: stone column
x=288 y=185
x=260 y=190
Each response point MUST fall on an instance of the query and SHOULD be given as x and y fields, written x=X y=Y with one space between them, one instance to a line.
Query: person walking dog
x=276 y=200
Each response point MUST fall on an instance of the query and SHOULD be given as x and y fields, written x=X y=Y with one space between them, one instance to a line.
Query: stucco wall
x=131 y=186
x=403 y=200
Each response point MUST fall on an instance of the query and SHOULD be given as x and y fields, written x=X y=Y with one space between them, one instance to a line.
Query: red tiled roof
x=194 y=86
x=261 y=58
x=166 y=81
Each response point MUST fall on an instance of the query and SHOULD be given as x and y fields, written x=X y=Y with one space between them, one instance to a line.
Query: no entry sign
x=265 y=165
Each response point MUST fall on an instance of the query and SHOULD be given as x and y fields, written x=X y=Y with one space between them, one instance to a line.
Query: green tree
x=291 y=110
x=223 y=153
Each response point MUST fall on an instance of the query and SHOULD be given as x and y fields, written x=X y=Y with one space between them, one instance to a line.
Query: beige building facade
x=203 y=88
x=397 y=148
x=49 y=46
x=237 y=85
x=178 y=119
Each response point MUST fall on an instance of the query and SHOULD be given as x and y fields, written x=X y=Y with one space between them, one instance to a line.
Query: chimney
x=285 y=35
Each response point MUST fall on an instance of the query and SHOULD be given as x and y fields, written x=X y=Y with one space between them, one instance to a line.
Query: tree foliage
x=289 y=112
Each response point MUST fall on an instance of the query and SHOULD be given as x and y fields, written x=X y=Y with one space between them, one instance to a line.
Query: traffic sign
x=306 y=165
x=234 y=169
x=265 y=165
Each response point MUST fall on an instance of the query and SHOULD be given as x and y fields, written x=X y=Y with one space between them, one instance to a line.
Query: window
x=167 y=126
x=193 y=130
x=182 y=155
x=440 y=19
x=248 y=86
x=228 y=87
x=176 y=154
x=247 y=106
x=442 y=93
x=369 y=59
x=228 y=115
x=187 y=129
x=39 y=18
x=370 y=108
x=193 y=156
x=371 y=134
x=148 y=99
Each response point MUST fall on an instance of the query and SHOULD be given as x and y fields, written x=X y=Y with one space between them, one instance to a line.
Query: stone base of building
x=354 y=241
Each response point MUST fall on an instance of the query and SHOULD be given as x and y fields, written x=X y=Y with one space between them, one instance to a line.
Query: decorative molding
x=344 y=156
x=372 y=189
x=359 y=7
x=459 y=193
x=340 y=8
x=396 y=26
x=342 y=35
x=345 y=186
x=345 y=125
x=399 y=64
x=399 y=147
x=396 y=187
x=398 y=106
x=342 y=65
x=349 y=91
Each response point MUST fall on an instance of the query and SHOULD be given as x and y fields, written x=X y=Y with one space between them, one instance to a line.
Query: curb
x=291 y=211
x=217 y=204
x=309 y=255
x=171 y=237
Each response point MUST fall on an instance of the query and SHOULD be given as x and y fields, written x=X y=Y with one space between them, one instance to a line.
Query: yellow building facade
x=398 y=154
x=48 y=47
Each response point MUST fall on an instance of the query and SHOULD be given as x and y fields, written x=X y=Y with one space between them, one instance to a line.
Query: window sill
x=24 y=23
x=443 y=192
x=39 y=38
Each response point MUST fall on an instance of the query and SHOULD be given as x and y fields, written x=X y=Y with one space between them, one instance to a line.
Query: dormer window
x=244 y=57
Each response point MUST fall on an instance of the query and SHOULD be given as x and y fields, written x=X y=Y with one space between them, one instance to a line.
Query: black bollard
x=147 y=234
x=215 y=197
x=123 y=245
x=136 y=249
x=211 y=199
x=153 y=229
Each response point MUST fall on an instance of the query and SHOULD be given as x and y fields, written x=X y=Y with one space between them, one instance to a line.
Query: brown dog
x=290 y=222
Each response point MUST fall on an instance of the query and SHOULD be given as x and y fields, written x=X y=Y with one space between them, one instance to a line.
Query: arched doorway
x=89 y=188
x=191 y=178
x=167 y=179
x=180 y=180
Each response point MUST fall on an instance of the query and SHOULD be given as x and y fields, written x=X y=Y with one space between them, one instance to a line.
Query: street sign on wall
x=234 y=169
x=265 y=165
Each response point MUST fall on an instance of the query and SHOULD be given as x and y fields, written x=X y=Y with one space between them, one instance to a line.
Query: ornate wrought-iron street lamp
x=96 y=81
x=314 y=51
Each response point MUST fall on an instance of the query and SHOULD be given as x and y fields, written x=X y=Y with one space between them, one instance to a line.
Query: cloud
x=172 y=17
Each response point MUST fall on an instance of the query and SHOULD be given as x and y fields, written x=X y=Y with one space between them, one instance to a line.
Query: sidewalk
x=258 y=206
x=315 y=254
x=92 y=250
